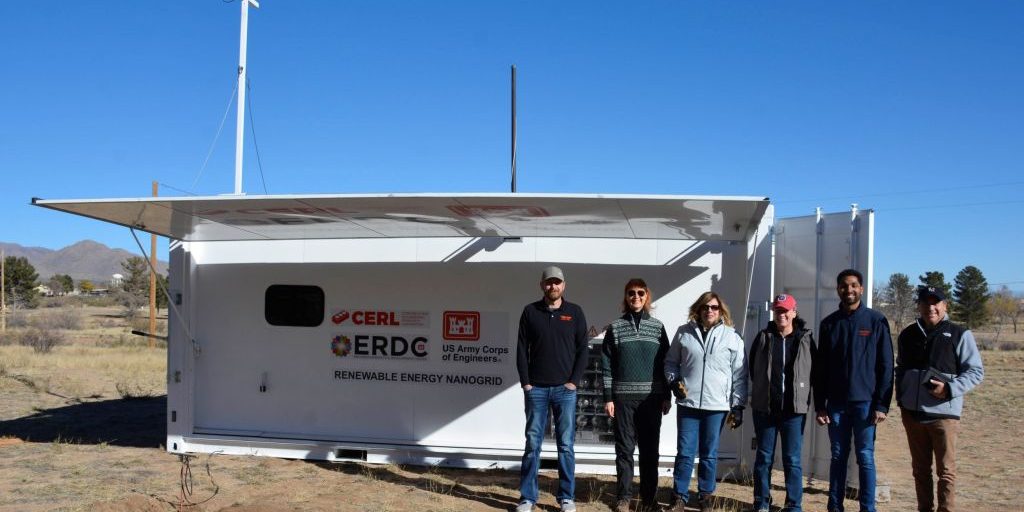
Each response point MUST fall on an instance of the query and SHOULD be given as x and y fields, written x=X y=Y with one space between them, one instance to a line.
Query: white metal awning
x=296 y=217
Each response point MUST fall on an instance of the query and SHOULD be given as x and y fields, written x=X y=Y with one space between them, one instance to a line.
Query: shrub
x=41 y=340
x=985 y=343
x=17 y=318
x=99 y=300
x=61 y=319
x=141 y=323
x=1009 y=345
x=132 y=391
x=108 y=323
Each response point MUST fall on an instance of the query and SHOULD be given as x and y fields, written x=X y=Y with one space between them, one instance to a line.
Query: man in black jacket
x=551 y=356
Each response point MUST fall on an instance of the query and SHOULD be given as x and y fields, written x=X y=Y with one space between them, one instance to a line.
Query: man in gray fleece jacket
x=938 y=364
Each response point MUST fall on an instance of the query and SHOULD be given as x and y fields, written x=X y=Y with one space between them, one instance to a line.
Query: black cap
x=929 y=292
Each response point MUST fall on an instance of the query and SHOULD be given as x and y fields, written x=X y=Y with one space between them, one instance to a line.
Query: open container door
x=810 y=252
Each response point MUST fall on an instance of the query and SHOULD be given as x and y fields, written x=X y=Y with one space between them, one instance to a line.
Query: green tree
x=136 y=276
x=67 y=281
x=20 y=281
x=970 y=294
x=161 y=285
x=1005 y=307
x=61 y=284
x=937 y=279
x=898 y=299
x=134 y=289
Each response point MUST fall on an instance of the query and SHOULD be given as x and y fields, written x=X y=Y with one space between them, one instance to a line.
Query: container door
x=809 y=252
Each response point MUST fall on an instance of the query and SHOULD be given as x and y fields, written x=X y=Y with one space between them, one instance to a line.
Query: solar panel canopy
x=297 y=217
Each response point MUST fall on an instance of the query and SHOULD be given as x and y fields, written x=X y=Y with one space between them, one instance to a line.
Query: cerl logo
x=380 y=346
x=366 y=317
x=461 y=325
x=382 y=317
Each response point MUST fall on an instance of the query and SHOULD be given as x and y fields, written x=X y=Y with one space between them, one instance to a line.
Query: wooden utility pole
x=3 y=292
x=152 y=282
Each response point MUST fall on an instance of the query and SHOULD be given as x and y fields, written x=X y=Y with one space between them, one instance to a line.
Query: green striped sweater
x=632 y=359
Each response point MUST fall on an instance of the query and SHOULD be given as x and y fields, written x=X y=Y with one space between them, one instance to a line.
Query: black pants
x=637 y=424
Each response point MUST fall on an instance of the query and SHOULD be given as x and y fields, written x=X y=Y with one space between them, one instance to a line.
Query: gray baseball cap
x=552 y=273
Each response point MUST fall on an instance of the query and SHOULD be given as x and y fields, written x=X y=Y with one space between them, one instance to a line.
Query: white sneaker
x=568 y=506
x=525 y=506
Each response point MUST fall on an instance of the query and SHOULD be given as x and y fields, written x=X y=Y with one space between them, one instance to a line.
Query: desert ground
x=82 y=427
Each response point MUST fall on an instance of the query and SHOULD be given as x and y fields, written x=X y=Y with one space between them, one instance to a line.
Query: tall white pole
x=240 y=125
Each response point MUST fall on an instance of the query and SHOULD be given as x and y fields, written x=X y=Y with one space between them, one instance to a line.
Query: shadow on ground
x=132 y=422
x=472 y=484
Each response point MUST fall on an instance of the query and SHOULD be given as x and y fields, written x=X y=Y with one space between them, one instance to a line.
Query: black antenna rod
x=513 y=128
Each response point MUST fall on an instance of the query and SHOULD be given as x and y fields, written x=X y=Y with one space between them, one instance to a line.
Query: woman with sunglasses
x=635 y=392
x=704 y=369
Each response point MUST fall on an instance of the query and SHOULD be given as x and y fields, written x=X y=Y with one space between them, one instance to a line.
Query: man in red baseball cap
x=779 y=366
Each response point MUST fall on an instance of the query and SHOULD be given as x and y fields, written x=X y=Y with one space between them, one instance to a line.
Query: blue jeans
x=703 y=428
x=768 y=428
x=851 y=419
x=562 y=402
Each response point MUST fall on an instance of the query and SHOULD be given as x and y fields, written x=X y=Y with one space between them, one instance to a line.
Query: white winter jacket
x=712 y=369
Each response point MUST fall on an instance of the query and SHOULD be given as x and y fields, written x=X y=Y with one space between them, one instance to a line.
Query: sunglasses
x=710 y=307
x=636 y=293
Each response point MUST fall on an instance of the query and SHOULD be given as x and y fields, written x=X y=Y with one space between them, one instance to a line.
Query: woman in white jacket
x=704 y=367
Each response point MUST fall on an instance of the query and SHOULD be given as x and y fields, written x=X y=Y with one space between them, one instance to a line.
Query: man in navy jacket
x=852 y=378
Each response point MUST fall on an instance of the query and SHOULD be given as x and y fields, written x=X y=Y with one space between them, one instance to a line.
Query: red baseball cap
x=786 y=302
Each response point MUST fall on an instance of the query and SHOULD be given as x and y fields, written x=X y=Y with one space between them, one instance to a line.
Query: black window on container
x=294 y=305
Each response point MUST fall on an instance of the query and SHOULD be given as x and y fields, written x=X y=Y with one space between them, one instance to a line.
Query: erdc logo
x=379 y=346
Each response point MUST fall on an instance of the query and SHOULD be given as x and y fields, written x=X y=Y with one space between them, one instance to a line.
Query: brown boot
x=706 y=502
x=678 y=505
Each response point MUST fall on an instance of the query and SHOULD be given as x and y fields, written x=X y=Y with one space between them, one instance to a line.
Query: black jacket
x=552 y=348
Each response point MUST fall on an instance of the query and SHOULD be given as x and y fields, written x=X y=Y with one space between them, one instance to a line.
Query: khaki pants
x=927 y=440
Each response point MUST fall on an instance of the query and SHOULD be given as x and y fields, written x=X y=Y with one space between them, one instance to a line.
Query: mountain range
x=82 y=260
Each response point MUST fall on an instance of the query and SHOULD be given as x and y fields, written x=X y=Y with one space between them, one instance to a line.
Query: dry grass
x=70 y=440
x=78 y=372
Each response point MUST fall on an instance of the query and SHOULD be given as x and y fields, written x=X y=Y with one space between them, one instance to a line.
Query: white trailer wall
x=307 y=411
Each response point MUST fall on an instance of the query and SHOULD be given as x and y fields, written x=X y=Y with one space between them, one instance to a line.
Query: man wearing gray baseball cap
x=551 y=356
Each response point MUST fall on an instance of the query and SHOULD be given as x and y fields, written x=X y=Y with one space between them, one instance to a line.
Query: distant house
x=44 y=290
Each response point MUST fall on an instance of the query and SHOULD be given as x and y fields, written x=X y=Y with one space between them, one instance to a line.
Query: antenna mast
x=240 y=125
x=513 y=128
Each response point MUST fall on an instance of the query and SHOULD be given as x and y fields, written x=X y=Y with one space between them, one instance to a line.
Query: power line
x=213 y=144
x=162 y=184
x=860 y=197
x=252 y=128
x=948 y=206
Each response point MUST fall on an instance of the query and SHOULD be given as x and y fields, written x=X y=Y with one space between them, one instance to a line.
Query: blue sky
x=913 y=109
